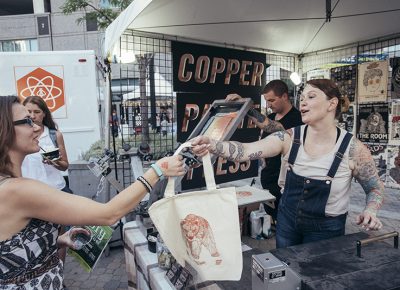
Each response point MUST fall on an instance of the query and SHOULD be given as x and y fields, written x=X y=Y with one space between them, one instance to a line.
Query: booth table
x=142 y=265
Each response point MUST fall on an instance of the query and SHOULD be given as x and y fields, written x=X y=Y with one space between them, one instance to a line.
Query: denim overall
x=301 y=212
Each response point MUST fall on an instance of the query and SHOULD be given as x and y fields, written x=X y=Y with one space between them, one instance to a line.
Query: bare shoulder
x=59 y=135
x=21 y=188
x=11 y=189
x=358 y=150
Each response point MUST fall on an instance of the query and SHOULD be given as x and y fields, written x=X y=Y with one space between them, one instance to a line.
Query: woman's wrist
x=158 y=170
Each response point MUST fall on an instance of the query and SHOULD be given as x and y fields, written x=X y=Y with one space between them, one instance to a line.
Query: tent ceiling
x=246 y=26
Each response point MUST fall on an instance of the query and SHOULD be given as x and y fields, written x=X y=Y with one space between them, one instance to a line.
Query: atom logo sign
x=44 y=84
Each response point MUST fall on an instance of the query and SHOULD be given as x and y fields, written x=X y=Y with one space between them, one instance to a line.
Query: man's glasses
x=24 y=121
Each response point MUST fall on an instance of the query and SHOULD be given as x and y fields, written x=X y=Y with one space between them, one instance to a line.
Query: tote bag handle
x=208 y=173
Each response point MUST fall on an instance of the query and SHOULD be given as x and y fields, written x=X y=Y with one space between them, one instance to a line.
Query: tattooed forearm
x=367 y=175
x=257 y=115
x=233 y=151
x=239 y=151
x=273 y=126
x=255 y=155
x=219 y=148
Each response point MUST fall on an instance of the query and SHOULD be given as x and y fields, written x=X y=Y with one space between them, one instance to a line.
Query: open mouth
x=304 y=111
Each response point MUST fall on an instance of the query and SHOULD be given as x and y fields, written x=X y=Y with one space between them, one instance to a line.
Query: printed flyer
x=91 y=252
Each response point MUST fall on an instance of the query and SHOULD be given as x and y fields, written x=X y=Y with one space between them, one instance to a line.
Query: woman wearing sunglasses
x=31 y=212
x=45 y=170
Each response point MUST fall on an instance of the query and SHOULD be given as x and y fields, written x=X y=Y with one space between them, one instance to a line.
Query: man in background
x=284 y=116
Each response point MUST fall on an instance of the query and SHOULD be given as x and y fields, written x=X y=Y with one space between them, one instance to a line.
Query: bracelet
x=145 y=183
x=158 y=170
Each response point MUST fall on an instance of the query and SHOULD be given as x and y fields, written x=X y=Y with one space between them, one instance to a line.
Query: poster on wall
x=395 y=64
x=345 y=77
x=203 y=74
x=392 y=177
x=373 y=123
x=380 y=160
x=347 y=120
x=394 y=136
x=318 y=74
x=372 y=82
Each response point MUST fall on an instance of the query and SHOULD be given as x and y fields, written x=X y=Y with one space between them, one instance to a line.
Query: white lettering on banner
x=221 y=164
x=378 y=136
x=206 y=69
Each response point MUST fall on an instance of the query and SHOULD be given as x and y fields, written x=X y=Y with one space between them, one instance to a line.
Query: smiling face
x=315 y=106
x=26 y=136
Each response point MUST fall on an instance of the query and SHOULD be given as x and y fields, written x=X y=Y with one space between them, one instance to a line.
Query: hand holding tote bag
x=201 y=228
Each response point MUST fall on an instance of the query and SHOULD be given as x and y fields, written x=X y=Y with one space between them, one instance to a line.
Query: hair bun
x=345 y=103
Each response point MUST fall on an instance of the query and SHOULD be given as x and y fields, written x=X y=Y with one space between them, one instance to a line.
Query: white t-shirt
x=33 y=167
x=318 y=168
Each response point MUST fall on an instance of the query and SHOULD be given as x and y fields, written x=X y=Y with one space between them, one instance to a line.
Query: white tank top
x=317 y=168
x=33 y=167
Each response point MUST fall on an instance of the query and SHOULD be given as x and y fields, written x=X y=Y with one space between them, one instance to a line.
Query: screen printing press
x=354 y=261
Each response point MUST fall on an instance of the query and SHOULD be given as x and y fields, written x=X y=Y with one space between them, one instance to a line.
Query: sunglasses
x=24 y=121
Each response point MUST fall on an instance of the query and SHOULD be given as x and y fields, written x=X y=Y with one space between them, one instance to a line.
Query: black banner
x=203 y=74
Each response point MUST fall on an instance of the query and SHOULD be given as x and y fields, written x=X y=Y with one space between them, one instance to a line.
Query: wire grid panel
x=143 y=95
x=368 y=51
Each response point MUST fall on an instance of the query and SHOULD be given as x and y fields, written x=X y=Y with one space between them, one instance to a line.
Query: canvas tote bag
x=201 y=228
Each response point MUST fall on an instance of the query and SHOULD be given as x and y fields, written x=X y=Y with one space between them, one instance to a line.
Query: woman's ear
x=333 y=103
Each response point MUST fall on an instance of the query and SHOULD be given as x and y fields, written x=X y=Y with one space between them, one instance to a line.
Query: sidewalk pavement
x=110 y=272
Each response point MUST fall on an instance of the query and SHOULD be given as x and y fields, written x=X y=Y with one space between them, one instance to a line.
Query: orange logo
x=44 y=84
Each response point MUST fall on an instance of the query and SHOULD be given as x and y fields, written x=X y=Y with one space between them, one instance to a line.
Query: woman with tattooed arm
x=319 y=161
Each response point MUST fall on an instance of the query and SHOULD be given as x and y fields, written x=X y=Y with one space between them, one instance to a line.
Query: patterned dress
x=28 y=260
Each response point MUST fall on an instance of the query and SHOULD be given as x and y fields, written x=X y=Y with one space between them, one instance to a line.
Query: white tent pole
x=107 y=109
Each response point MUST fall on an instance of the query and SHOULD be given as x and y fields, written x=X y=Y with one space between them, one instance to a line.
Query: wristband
x=158 y=170
x=145 y=183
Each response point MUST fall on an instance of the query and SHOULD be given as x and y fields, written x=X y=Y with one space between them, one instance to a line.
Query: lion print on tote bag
x=197 y=232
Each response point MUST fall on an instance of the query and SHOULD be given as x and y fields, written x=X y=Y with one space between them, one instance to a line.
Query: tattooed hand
x=368 y=221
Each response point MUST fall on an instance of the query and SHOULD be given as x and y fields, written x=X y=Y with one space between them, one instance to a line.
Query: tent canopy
x=277 y=25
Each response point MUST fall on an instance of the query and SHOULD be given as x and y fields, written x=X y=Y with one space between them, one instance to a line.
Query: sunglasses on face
x=24 y=121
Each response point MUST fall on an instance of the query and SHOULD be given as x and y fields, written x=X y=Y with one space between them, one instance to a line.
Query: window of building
x=19 y=45
x=12 y=7
x=91 y=23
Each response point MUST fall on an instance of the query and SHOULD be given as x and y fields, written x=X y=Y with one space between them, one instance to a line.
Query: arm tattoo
x=240 y=151
x=367 y=175
x=255 y=155
x=231 y=150
x=280 y=135
x=219 y=148
x=257 y=115
x=273 y=126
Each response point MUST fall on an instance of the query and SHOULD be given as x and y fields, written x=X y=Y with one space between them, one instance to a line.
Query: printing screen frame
x=221 y=113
